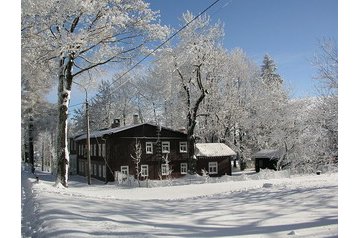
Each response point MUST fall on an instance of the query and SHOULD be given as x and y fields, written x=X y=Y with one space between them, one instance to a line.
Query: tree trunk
x=64 y=90
x=191 y=117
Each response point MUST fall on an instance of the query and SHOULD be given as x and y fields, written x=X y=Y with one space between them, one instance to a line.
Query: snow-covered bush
x=205 y=175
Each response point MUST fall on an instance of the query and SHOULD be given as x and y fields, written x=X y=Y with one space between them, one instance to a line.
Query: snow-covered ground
x=267 y=204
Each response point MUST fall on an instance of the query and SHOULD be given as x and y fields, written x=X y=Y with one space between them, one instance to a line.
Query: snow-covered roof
x=102 y=132
x=271 y=154
x=213 y=150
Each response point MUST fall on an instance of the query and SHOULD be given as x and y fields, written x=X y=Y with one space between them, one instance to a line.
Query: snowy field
x=267 y=204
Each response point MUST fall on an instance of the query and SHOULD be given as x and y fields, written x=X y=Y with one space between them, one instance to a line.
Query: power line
x=77 y=104
x=145 y=57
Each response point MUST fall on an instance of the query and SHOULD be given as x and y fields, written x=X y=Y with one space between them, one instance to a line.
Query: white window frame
x=183 y=147
x=91 y=151
x=95 y=150
x=165 y=169
x=213 y=166
x=144 y=168
x=149 y=147
x=125 y=170
x=166 y=147
x=183 y=168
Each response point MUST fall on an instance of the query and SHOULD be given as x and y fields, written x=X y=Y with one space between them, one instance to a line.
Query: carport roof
x=270 y=154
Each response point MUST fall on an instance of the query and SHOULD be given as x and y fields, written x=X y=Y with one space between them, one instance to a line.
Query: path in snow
x=304 y=206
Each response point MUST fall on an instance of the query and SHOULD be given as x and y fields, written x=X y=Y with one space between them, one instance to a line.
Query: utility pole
x=43 y=155
x=88 y=144
x=31 y=144
x=88 y=138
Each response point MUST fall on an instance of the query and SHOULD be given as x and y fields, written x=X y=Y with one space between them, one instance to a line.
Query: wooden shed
x=214 y=158
x=112 y=150
x=267 y=159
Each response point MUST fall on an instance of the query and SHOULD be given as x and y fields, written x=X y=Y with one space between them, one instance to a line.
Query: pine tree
x=268 y=71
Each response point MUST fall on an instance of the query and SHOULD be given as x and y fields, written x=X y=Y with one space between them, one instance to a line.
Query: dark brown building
x=267 y=159
x=113 y=150
x=215 y=158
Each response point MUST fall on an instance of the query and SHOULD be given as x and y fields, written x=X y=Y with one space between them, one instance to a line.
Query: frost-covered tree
x=78 y=36
x=308 y=142
x=326 y=63
x=111 y=102
x=137 y=157
x=270 y=113
x=101 y=107
x=192 y=64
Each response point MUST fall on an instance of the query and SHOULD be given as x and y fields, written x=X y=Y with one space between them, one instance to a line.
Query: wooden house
x=215 y=158
x=113 y=149
x=72 y=156
x=267 y=159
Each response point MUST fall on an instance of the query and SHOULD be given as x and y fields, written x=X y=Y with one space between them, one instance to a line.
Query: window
x=91 y=149
x=103 y=150
x=95 y=149
x=85 y=151
x=183 y=168
x=144 y=170
x=104 y=171
x=125 y=170
x=100 y=149
x=165 y=169
x=95 y=170
x=183 y=147
x=149 y=147
x=213 y=167
x=100 y=170
x=165 y=147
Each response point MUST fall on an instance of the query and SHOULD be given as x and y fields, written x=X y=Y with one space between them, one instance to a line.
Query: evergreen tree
x=268 y=71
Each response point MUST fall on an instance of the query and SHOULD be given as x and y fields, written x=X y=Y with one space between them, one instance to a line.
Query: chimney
x=116 y=123
x=135 y=119
x=182 y=129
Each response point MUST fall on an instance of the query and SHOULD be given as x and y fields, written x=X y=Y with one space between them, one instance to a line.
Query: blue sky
x=288 y=30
